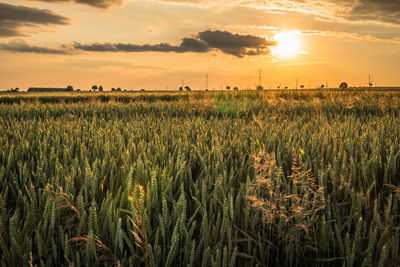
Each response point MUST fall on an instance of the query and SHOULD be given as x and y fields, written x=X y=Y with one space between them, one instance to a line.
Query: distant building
x=41 y=89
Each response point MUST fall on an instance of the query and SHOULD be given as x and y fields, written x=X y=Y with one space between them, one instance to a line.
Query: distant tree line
x=13 y=90
x=99 y=88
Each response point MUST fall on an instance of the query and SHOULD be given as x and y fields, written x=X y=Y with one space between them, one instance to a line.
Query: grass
x=200 y=179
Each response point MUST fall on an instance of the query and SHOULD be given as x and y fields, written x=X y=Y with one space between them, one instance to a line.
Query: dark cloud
x=354 y=10
x=193 y=45
x=126 y=47
x=236 y=44
x=95 y=3
x=226 y=42
x=19 y=46
x=375 y=10
x=233 y=44
x=13 y=18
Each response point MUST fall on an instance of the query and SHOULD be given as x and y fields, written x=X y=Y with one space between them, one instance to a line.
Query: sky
x=162 y=44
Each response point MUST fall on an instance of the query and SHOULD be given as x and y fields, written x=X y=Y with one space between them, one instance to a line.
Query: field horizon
x=143 y=90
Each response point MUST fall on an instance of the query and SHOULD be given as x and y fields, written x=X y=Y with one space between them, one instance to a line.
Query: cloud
x=19 y=46
x=94 y=3
x=13 y=18
x=351 y=36
x=374 y=10
x=226 y=42
x=236 y=44
x=386 y=11
x=186 y=46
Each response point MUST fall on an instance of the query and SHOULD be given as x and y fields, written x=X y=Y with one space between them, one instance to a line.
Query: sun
x=288 y=44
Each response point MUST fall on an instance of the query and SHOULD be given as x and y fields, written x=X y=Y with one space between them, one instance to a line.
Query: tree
x=119 y=89
x=70 y=88
x=113 y=89
x=94 y=87
x=343 y=85
x=181 y=88
x=101 y=88
x=228 y=88
x=235 y=88
x=260 y=88
x=322 y=86
x=301 y=86
x=187 y=88
x=142 y=90
x=286 y=87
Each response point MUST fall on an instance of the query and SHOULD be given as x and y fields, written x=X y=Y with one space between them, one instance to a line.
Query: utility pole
x=370 y=84
x=297 y=83
x=207 y=81
x=259 y=77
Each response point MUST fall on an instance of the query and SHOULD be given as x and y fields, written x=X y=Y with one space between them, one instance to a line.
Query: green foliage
x=174 y=179
x=236 y=105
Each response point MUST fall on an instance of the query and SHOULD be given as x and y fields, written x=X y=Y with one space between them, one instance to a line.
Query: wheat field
x=200 y=179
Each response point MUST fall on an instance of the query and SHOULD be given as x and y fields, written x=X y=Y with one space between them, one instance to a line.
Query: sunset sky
x=150 y=44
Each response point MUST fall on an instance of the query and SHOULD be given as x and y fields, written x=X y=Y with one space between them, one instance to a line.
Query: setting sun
x=288 y=44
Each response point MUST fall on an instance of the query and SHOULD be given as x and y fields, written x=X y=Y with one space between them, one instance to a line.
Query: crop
x=199 y=179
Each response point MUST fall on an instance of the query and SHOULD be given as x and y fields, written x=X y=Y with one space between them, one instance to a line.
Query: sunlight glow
x=288 y=44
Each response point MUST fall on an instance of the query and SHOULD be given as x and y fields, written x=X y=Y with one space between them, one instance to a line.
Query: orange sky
x=156 y=44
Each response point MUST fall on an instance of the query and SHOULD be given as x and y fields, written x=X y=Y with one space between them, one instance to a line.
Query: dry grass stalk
x=104 y=253
x=294 y=200
x=140 y=235
x=31 y=260
x=63 y=200
x=395 y=190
